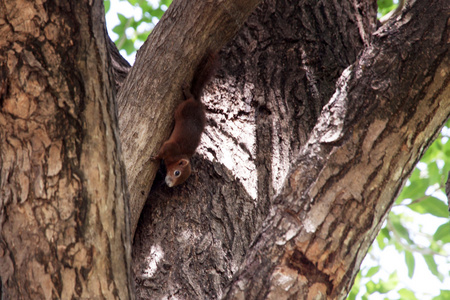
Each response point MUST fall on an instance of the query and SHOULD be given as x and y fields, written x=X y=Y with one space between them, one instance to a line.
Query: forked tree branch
x=152 y=89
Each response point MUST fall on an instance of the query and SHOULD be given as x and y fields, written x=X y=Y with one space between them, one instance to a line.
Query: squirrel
x=190 y=121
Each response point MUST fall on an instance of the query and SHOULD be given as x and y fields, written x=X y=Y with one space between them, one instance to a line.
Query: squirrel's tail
x=204 y=73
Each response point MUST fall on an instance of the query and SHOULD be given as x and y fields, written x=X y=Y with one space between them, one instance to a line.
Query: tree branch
x=388 y=108
x=147 y=102
x=120 y=65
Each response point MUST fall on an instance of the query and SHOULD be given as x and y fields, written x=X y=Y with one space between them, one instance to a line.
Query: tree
x=316 y=119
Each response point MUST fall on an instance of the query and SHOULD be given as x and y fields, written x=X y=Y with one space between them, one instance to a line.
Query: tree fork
x=207 y=25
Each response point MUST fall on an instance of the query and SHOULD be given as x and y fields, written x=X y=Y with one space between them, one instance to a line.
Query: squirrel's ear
x=183 y=162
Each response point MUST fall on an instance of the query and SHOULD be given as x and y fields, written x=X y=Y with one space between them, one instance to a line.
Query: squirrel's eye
x=177 y=173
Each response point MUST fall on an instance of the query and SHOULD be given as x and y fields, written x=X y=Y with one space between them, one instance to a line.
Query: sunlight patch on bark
x=156 y=254
x=331 y=122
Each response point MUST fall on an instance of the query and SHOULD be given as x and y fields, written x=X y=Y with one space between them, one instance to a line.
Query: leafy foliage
x=385 y=6
x=134 y=30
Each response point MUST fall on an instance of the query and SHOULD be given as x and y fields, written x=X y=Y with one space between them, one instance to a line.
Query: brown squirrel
x=190 y=121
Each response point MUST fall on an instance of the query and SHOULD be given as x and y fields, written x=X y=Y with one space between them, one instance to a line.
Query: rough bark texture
x=264 y=103
x=277 y=75
x=387 y=109
x=120 y=66
x=63 y=211
x=243 y=226
x=152 y=90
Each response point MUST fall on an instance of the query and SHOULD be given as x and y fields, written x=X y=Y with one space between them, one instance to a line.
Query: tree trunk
x=64 y=215
x=326 y=178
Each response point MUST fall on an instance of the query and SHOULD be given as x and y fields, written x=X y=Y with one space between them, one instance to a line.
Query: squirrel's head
x=178 y=172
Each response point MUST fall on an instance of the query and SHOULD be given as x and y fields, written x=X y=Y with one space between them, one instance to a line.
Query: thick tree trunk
x=277 y=75
x=63 y=210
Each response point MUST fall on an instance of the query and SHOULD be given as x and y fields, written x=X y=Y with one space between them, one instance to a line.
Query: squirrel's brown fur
x=189 y=124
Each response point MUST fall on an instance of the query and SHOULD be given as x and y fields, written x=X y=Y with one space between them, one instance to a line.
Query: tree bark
x=224 y=204
x=314 y=123
x=266 y=117
x=388 y=107
x=164 y=63
x=63 y=211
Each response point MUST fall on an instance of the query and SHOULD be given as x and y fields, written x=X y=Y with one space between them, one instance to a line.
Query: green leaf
x=128 y=46
x=431 y=154
x=372 y=271
x=389 y=285
x=400 y=229
x=135 y=39
x=432 y=266
x=446 y=154
x=434 y=173
x=166 y=2
x=436 y=247
x=383 y=238
x=407 y=294
x=444 y=295
x=133 y=23
x=381 y=242
x=431 y=205
x=107 y=4
x=371 y=287
x=122 y=18
x=417 y=187
x=143 y=36
x=382 y=4
x=119 y=29
x=410 y=263
x=382 y=286
x=442 y=233
x=353 y=293
x=385 y=6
